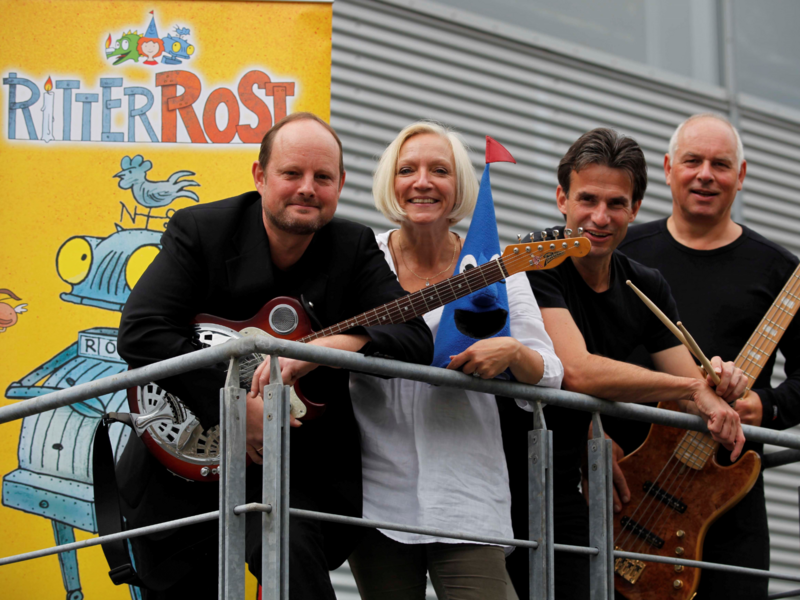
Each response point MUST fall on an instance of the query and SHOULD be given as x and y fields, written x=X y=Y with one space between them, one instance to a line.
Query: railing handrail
x=373 y=365
x=391 y=368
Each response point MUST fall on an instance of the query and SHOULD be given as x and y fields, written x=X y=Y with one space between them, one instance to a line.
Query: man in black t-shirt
x=724 y=277
x=595 y=321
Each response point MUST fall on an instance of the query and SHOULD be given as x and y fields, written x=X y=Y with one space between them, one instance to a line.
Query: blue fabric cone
x=480 y=246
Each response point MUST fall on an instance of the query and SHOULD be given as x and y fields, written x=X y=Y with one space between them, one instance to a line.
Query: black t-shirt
x=722 y=295
x=613 y=324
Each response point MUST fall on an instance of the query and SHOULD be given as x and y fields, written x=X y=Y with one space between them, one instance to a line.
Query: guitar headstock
x=545 y=254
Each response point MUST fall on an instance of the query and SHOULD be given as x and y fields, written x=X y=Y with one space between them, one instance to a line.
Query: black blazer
x=215 y=259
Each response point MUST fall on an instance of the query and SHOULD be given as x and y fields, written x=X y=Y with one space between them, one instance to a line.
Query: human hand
x=254 y=432
x=722 y=421
x=622 y=493
x=732 y=380
x=488 y=357
x=750 y=409
x=291 y=371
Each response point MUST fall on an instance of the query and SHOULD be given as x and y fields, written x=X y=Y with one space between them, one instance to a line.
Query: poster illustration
x=113 y=115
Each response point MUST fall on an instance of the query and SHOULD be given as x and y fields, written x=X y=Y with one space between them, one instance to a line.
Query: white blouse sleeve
x=527 y=326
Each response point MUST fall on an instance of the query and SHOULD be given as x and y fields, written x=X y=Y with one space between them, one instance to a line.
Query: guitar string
x=765 y=345
x=659 y=508
x=649 y=500
x=248 y=374
x=474 y=279
x=472 y=276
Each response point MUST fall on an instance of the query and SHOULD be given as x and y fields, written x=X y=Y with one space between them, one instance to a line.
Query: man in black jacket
x=228 y=259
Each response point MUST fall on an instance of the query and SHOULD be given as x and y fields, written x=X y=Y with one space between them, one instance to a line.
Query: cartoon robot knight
x=54 y=478
x=176 y=47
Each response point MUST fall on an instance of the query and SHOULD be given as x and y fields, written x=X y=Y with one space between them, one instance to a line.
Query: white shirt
x=433 y=456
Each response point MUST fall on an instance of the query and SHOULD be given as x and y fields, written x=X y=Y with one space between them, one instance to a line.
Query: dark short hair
x=605 y=147
x=269 y=137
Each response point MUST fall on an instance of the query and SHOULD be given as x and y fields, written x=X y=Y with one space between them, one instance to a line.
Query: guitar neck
x=756 y=352
x=423 y=301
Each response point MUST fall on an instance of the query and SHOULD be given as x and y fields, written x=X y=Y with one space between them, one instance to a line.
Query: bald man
x=724 y=277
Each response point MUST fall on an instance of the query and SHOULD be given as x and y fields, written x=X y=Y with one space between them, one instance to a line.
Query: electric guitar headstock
x=541 y=252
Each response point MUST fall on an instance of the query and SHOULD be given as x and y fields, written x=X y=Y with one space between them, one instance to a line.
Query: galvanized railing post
x=232 y=425
x=275 y=488
x=601 y=513
x=540 y=507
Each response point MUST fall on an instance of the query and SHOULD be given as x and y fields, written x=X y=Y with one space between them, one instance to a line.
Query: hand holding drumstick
x=733 y=383
x=730 y=382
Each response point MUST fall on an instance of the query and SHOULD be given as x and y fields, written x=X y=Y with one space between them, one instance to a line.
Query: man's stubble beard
x=295 y=226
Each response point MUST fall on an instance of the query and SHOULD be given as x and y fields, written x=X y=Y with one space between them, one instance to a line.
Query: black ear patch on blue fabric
x=480 y=325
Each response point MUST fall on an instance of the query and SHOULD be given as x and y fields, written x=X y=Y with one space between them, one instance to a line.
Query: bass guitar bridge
x=629 y=569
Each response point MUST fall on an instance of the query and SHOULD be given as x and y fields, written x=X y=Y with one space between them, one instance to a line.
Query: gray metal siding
x=398 y=61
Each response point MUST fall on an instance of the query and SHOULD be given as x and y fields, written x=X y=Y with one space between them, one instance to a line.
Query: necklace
x=427 y=279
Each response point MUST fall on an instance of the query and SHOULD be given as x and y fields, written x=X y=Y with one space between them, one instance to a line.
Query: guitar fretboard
x=422 y=301
x=697 y=447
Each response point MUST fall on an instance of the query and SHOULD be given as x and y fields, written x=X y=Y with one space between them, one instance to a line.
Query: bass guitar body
x=677 y=491
x=172 y=432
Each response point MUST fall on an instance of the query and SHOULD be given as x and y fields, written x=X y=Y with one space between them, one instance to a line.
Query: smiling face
x=301 y=184
x=600 y=201
x=425 y=179
x=151 y=49
x=704 y=175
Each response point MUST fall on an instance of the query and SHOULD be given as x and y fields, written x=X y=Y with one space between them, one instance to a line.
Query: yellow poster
x=113 y=115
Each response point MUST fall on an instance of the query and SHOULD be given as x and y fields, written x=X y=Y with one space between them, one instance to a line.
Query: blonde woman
x=433 y=456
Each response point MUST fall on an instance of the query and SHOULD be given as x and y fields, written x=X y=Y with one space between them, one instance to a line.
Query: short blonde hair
x=466 y=181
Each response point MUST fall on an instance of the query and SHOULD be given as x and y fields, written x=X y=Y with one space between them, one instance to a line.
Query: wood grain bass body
x=677 y=513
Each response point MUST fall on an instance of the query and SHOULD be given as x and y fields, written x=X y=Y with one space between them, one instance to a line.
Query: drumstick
x=679 y=333
x=699 y=353
x=662 y=317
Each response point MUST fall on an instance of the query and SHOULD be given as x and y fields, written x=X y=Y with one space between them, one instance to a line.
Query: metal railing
x=275 y=485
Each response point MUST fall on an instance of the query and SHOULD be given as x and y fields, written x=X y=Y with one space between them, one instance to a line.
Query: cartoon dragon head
x=125 y=48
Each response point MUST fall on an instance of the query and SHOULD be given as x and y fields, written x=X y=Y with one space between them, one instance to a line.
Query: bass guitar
x=177 y=439
x=677 y=487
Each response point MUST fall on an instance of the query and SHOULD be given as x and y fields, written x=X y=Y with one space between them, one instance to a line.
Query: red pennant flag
x=495 y=152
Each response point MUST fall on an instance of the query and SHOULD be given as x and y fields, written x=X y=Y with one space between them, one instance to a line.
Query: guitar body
x=704 y=495
x=179 y=442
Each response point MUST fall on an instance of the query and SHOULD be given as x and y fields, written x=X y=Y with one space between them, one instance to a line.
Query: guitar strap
x=107 y=508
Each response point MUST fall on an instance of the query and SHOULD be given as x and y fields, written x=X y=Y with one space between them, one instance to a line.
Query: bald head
x=711 y=119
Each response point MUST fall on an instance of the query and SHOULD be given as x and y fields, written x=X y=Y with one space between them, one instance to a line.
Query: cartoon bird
x=125 y=48
x=176 y=47
x=8 y=314
x=153 y=194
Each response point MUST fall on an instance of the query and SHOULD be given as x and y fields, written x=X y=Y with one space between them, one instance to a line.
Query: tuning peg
x=568 y=232
x=530 y=236
x=556 y=233
x=519 y=238
x=544 y=235
x=580 y=231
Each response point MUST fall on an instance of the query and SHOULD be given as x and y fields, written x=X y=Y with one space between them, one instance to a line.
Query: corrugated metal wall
x=397 y=61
